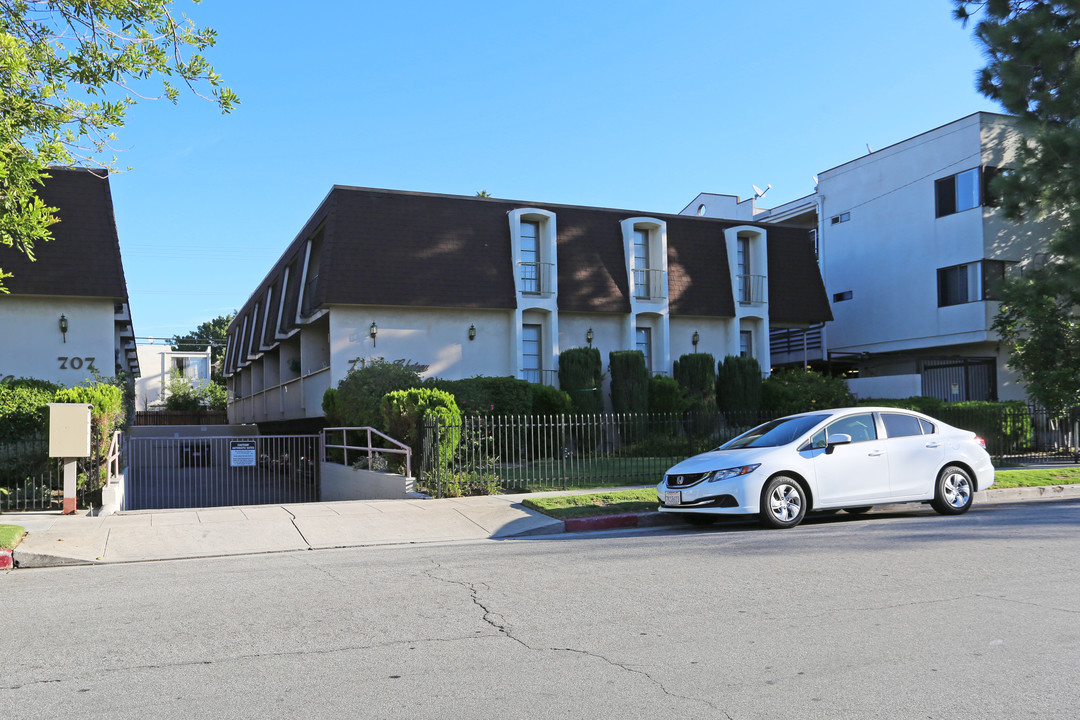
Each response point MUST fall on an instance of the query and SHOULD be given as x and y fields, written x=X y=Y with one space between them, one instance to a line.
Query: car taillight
x=980 y=441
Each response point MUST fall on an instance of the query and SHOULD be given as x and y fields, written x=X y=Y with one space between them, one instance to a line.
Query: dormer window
x=531 y=275
x=532 y=239
x=645 y=240
x=642 y=267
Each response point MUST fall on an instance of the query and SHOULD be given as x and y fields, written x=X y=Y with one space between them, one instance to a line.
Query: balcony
x=307 y=307
x=540 y=377
x=648 y=283
x=751 y=290
x=535 y=278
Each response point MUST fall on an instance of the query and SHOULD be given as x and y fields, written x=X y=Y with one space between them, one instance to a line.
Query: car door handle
x=933 y=445
x=876 y=453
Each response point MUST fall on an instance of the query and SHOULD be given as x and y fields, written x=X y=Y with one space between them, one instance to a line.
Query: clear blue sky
x=637 y=105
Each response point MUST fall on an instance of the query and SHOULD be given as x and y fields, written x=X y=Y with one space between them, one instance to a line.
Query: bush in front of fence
x=489 y=395
x=24 y=410
x=738 y=384
x=359 y=396
x=1006 y=427
x=406 y=411
x=787 y=392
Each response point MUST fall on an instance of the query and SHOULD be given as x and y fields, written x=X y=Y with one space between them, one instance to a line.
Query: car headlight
x=728 y=473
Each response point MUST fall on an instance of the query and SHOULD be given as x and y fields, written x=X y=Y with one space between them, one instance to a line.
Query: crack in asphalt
x=636 y=671
x=1028 y=603
x=504 y=630
x=239 y=658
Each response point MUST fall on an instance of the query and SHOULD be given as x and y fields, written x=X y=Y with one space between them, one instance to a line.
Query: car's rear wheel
x=953 y=493
x=700 y=519
x=783 y=503
x=858 y=510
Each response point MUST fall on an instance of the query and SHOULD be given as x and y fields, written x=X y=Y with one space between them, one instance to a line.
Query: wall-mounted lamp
x=472 y=332
x=695 y=339
x=63 y=327
x=589 y=336
x=373 y=331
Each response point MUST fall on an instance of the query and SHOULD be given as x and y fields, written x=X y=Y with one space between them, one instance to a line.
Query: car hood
x=721 y=459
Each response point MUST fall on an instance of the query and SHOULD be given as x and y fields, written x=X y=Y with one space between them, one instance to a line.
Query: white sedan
x=848 y=458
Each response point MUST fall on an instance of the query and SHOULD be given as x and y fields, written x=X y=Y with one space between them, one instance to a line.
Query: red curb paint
x=604 y=522
x=6 y=562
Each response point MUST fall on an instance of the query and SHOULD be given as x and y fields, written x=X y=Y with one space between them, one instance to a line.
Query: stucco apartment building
x=67 y=314
x=467 y=286
x=910 y=244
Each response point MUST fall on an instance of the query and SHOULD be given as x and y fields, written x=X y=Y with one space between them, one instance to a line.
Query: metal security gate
x=199 y=472
x=960 y=380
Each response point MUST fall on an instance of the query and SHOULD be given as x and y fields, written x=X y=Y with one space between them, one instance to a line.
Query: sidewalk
x=53 y=539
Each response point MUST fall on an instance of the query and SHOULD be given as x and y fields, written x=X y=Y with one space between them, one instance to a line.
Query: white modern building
x=467 y=286
x=910 y=243
x=158 y=363
x=67 y=314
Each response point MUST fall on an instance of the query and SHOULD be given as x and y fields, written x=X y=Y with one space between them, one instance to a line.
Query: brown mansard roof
x=83 y=258
x=408 y=249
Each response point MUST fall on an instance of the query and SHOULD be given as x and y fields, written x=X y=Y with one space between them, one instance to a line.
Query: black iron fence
x=483 y=455
x=180 y=417
x=31 y=480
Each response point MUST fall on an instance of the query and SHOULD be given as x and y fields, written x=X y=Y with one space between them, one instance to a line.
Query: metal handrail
x=345 y=447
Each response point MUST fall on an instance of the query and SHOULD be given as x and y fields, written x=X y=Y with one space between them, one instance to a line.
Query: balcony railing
x=542 y=377
x=752 y=290
x=535 y=278
x=648 y=283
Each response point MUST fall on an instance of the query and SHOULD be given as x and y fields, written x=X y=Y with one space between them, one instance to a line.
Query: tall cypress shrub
x=696 y=374
x=738 y=384
x=629 y=381
x=581 y=374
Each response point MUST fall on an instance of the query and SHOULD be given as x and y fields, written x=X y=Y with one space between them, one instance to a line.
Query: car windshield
x=775 y=433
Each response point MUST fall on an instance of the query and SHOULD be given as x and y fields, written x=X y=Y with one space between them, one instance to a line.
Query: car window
x=775 y=433
x=818 y=441
x=927 y=427
x=897 y=425
x=860 y=427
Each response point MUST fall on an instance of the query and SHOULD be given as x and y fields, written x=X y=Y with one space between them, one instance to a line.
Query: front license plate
x=673 y=498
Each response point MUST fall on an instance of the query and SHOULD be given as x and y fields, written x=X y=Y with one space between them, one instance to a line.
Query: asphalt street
x=904 y=615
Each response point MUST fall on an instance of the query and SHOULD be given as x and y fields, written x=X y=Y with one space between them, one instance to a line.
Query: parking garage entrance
x=185 y=467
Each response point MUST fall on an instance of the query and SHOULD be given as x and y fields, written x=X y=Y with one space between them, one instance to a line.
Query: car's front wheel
x=953 y=493
x=783 y=503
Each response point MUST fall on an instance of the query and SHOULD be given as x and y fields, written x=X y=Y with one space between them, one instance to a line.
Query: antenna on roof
x=758 y=192
x=868 y=148
x=815 y=181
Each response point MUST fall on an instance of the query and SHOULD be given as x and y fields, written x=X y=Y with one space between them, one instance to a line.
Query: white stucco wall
x=33 y=347
x=436 y=337
x=889 y=386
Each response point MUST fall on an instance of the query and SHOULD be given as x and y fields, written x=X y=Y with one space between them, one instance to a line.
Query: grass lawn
x=593 y=504
x=1036 y=476
x=10 y=535
x=564 y=507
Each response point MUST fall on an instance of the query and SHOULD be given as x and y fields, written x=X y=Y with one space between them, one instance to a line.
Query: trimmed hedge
x=794 y=391
x=1005 y=426
x=581 y=374
x=666 y=396
x=696 y=374
x=489 y=395
x=548 y=400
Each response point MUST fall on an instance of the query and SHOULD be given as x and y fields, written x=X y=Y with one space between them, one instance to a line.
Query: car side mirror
x=837 y=439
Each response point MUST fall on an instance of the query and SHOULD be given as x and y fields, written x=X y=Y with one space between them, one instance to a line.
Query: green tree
x=69 y=69
x=212 y=333
x=1032 y=49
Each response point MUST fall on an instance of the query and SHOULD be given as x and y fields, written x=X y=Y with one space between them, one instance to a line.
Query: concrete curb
x=6 y=560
